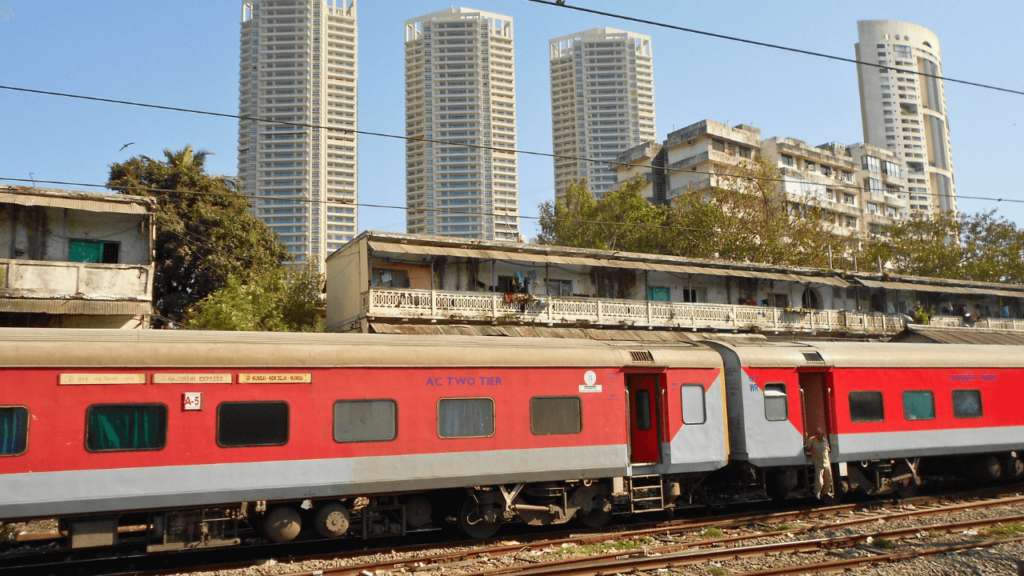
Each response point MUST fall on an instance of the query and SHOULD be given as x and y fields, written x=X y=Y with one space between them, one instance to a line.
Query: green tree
x=621 y=220
x=276 y=302
x=984 y=247
x=204 y=233
x=744 y=217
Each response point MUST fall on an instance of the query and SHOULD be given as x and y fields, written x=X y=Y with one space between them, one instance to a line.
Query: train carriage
x=883 y=406
x=189 y=429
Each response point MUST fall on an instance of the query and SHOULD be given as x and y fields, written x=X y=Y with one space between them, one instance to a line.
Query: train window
x=866 y=407
x=13 y=430
x=556 y=415
x=776 y=407
x=465 y=417
x=919 y=405
x=967 y=403
x=643 y=410
x=365 y=420
x=252 y=424
x=125 y=427
x=693 y=404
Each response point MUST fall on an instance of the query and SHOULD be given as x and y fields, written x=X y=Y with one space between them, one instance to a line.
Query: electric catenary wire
x=562 y=4
x=610 y=163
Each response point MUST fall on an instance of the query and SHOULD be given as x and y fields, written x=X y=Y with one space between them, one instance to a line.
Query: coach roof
x=43 y=348
x=879 y=355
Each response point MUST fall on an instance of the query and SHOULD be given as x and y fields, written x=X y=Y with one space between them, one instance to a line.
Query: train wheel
x=331 y=520
x=1013 y=466
x=840 y=488
x=596 y=518
x=908 y=491
x=418 y=512
x=282 y=524
x=473 y=523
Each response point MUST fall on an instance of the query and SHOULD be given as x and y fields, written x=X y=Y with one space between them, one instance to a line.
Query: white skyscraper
x=299 y=65
x=459 y=90
x=906 y=113
x=602 y=102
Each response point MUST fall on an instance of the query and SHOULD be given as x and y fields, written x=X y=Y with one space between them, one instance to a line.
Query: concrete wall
x=37 y=233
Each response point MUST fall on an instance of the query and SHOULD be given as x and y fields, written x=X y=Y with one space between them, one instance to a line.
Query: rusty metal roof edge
x=73 y=199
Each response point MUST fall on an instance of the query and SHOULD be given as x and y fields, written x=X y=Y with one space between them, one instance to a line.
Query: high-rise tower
x=299 y=65
x=602 y=102
x=459 y=90
x=906 y=113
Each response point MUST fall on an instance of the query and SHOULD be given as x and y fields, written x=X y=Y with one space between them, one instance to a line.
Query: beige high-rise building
x=905 y=113
x=602 y=103
x=459 y=91
x=299 y=65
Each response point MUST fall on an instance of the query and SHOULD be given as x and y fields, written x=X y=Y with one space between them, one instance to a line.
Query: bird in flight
x=126 y=145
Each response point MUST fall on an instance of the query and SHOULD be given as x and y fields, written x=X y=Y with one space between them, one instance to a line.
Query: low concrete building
x=382 y=280
x=75 y=259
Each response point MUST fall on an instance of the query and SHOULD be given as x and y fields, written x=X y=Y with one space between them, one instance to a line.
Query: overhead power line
x=562 y=4
x=610 y=163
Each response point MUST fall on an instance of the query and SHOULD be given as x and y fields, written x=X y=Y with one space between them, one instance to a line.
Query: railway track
x=662 y=538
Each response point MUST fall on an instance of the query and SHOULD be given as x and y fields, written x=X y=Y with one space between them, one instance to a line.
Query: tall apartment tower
x=460 y=89
x=299 y=65
x=906 y=113
x=602 y=102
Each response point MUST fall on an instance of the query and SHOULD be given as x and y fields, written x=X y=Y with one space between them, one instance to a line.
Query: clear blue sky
x=186 y=54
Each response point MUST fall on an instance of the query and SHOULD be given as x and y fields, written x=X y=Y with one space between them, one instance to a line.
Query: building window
x=901 y=51
x=809 y=166
x=94 y=252
x=775 y=406
x=125 y=427
x=465 y=417
x=389 y=278
x=658 y=294
x=871 y=164
x=919 y=405
x=13 y=430
x=694 y=411
x=365 y=420
x=559 y=287
x=866 y=407
x=252 y=424
x=556 y=415
x=693 y=295
x=967 y=403
x=875 y=186
x=788 y=160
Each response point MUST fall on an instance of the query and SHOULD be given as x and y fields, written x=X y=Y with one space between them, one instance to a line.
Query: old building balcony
x=411 y=304
x=73 y=280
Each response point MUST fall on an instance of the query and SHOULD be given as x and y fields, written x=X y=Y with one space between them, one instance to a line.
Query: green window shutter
x=658 y=294
x=85 y=251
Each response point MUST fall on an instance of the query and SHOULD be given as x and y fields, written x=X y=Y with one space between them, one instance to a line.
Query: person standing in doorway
x=820 y=450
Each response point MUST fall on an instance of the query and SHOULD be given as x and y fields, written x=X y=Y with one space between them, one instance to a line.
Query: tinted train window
x=13 y=431
x=465 y=417
x=125 y=427
x=967 y=403
x=643 y=410
x=775 y=406
x=693 y=404
x=866 y=407
x=919 y=405
x=556 y=415
x=365 y=420
x=252 y=424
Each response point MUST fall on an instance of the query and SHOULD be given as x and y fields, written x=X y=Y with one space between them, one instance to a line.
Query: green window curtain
x=658 y=294
x=126 y=427
x=13 y=431
x=84 y=251
x=918 y=405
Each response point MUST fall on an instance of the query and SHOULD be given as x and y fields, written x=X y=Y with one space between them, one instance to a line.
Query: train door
x=814 y=398
x=644 y=419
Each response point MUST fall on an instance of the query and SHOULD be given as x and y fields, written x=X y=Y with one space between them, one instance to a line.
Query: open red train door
x=644 y=419
x=814 y=398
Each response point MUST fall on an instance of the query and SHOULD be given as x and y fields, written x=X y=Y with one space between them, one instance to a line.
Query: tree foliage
x=742 y=218
x=621 y=220
x=204 y=233
x=275 y=302
x=984 y=247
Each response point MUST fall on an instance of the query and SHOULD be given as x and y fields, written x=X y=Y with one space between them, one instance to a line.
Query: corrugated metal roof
x=90 y=202
x=75 y=307
x=534 y=332
x=941 y=335
x=395 y=248
x=941 y=289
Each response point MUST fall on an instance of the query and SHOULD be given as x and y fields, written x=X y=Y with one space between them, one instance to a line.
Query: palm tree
x=186 y=157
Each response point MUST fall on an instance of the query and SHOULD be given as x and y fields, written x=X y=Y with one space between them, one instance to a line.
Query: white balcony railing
x=441 y=305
